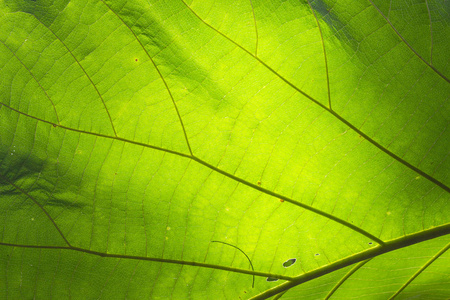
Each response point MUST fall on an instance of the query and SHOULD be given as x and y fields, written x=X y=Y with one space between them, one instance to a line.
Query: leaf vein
x=206 y=164
x=38 y=204
x=343 y=279
x=154 y=259
x=408 y=45
x=426 y=265
x=256 y=28
x=34 y=77
x=324 y=54
x=85 y=73
x=356 y=258
x=159 y=73
x=336 y=115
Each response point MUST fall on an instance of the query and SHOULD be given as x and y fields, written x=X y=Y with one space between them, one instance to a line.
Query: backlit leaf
x=134 y=134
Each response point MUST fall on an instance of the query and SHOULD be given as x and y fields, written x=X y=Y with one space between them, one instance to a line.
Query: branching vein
x=204 y=163
x=256 y=28
x=156 y=259
x=247 y=183
x=408 y=45
x=431 y=33
x=426 y=265
x=339 y=117
x=343 y=279
x=324 y=54
x=159 y=73
x=39 y=205
x=34 y=77
x=356 y=258
x=85 y=73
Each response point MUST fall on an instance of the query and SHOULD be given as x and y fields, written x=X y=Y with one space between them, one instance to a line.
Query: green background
x=135 y=133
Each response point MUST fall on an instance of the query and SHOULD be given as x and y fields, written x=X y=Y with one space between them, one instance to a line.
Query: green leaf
x=179 y=149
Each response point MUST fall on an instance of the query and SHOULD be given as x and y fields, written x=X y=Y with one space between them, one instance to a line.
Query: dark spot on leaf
x=271 y=279
x=370 y=243
x=259 y=183
x=281 y=200
x=54 y=125
x=317 y=254
x=289 y=262
x=136 y=59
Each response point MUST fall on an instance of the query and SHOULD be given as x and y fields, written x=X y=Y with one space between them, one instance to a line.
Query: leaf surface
x=134 y=134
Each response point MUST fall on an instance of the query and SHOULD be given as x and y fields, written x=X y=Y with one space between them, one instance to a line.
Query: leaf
x=134 y=133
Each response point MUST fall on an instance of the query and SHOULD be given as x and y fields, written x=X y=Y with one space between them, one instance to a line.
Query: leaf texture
x=135 y=135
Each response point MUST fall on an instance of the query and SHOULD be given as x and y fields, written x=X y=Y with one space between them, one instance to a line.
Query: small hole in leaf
x=289 y=262
x=271 y=279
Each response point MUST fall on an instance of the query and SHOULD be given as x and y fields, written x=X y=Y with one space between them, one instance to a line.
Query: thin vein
x=39 y=205
x=408 y=45
x=248 y=258
x=85 y=73
x=71 y=280
x=340 y=118
x=37 y=81
x=302 y=205
x=324 y=54
x=278 y=296
x=131 y=279
x=108 y=278
x=36 y=275
x=94 y=203
x=426 y=265
x=431 y=33
x=10 y=257
x=343 y=279
x=55 y=273
x=204 y=163
x=99 y=134
x=162 y=260
x=159 y=73
x=256 y=28
x=391 y=245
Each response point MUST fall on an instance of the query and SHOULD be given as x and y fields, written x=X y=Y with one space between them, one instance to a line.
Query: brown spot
x=54 y=125
x=259 y=183
x=136 y=59
x=281 y=200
